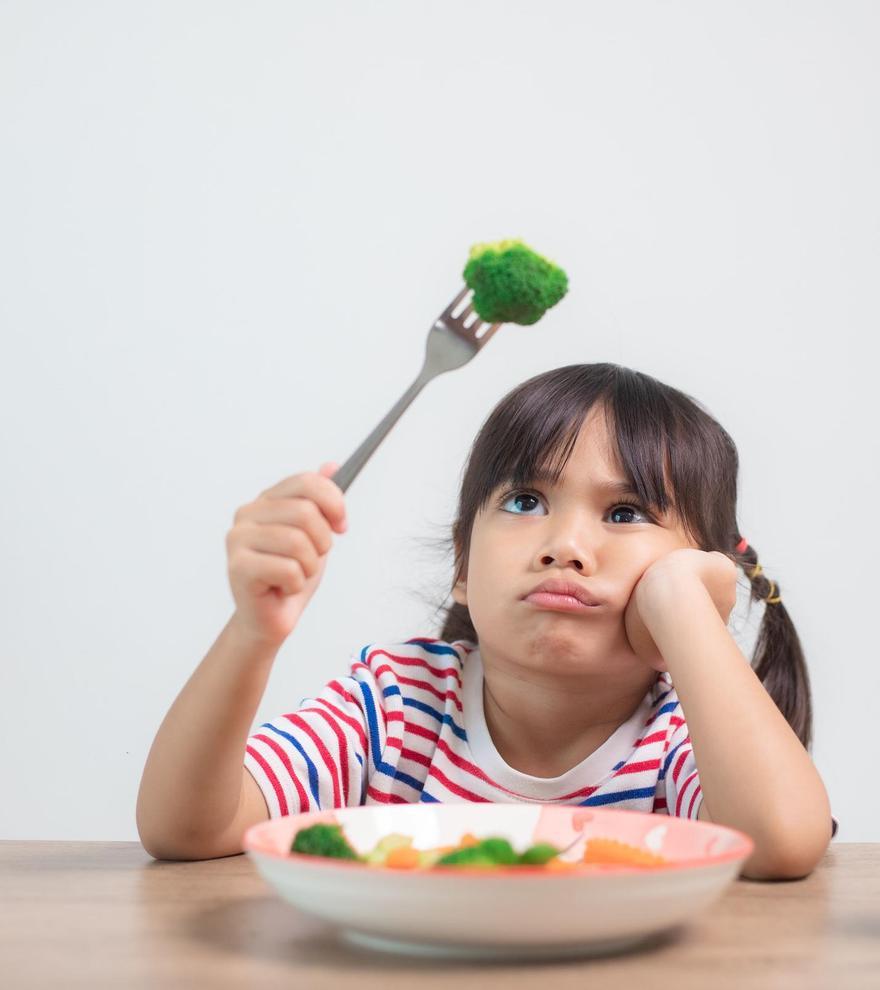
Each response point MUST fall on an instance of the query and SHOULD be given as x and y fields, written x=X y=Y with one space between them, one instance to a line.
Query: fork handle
x=351 y=468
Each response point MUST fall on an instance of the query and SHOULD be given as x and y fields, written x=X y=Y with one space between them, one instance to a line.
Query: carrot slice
x=403 y=858
x=612 y=851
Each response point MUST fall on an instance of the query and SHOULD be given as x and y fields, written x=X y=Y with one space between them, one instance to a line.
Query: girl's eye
x=519 y=496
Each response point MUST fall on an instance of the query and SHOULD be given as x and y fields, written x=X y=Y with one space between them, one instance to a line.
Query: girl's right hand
x=277 y=551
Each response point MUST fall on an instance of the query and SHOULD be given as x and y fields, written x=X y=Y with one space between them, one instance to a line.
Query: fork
x=452 y=341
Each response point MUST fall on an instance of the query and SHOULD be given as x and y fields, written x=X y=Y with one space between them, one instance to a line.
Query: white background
x=226 y=228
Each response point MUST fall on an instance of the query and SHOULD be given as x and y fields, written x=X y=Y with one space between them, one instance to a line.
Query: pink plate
x=511 y=912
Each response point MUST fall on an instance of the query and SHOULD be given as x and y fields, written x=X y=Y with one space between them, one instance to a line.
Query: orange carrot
x=612 y=851
x=403 y=858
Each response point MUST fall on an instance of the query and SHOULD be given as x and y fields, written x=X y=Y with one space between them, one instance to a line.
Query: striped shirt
x=407 y=725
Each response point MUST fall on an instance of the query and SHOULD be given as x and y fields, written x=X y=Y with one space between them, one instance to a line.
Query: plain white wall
x=226 y=229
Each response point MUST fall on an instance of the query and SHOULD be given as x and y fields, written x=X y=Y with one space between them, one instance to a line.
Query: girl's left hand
x=677 y=571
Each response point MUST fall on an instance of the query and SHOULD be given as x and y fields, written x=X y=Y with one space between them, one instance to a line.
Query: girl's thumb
x=328 y=468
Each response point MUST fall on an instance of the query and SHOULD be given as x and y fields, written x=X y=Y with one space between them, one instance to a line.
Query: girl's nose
x=571 y=547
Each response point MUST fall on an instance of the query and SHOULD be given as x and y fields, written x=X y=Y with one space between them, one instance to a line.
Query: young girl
x=625 y=688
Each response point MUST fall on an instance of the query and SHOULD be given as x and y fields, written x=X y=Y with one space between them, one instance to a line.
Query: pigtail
x=778 y=659
x=458 y=624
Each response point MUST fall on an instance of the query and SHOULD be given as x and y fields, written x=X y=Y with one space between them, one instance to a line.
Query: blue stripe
x=363 y=779
x=373 y=725
x=443 y=719
x=668 y=760
x=393 y=689
x=396 y=774
x=438 y=649
x=641 y=792
x=670 y=706
x=313 y=772
x=662 y=696
x=426 y=798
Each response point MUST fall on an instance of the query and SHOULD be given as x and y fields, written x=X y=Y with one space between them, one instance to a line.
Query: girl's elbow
x=792 y=857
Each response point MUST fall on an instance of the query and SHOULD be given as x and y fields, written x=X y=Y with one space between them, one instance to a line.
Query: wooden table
x=105 y=914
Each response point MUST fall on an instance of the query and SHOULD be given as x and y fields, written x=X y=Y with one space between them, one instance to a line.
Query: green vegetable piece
x=385 y=845
x=323 y=840
x=488 y=852
x=539 y=854
x=512 y=283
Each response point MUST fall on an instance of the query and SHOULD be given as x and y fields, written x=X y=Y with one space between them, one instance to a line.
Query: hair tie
x=741 y=547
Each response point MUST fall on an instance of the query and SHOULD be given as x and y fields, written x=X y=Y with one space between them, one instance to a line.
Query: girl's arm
x=754 y=772
x=196 y=799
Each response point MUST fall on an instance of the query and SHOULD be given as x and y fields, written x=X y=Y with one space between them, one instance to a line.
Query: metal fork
x=452 y=342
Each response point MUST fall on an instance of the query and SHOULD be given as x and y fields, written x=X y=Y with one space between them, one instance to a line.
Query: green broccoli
x=487 y=852
x=538 y=854
x=511 y=283
x=323 y=840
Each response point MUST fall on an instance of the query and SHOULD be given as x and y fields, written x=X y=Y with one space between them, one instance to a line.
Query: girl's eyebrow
x=613 y=486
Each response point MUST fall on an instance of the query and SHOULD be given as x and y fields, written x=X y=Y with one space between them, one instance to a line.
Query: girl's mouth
x=560 y=603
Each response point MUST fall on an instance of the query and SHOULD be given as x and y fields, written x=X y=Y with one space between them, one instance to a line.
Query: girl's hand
x=666 y=584
x=277 y=551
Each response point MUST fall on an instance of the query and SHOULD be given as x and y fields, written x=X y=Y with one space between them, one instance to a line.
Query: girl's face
x=579 y=531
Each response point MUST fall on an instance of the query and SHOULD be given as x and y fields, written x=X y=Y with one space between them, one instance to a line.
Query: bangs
x=537 y=444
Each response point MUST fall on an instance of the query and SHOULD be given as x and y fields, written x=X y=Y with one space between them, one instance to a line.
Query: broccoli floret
x=511 y=283
x=323 y=840
x=488 y=852
x=538 y=855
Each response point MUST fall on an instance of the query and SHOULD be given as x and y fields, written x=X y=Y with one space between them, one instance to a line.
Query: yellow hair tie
x=770 y=600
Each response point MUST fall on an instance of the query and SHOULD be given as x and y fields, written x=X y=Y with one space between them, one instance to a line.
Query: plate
x=506 y=912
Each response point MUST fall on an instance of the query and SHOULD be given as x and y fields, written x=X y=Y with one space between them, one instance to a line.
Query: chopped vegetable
x=386 y=845
x=612 y=851
x=512 y=283
x=323 y=840
x=396 y=851
x=538 y=855
x=488 y=852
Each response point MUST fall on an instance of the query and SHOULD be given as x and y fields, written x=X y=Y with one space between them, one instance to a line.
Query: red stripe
x=475 y=771
x=423 y=685
x=304 y=803
x=660 y=804
x=353 y=722
x=343 y=748
x=416 y=756
x=325 y=754
x=393 y=743
x=441 y=672
x=697 y=791
x=421 y=730
x=654 y=737
x=681 y=794
x=454 y=788
x=638 y=767
x=682 y=756
x=273 y=780
x=386 y=798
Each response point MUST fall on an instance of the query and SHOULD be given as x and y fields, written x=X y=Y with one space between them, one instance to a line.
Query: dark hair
x=660 y=433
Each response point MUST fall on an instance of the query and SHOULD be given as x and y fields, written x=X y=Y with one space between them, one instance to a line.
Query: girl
x=585 y=659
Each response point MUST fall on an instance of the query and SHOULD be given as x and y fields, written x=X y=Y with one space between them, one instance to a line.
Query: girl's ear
x=459 y=592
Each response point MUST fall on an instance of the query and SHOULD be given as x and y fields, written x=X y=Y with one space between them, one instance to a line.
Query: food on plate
x=323 y=840
x=397 y=852
x=611 y=851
